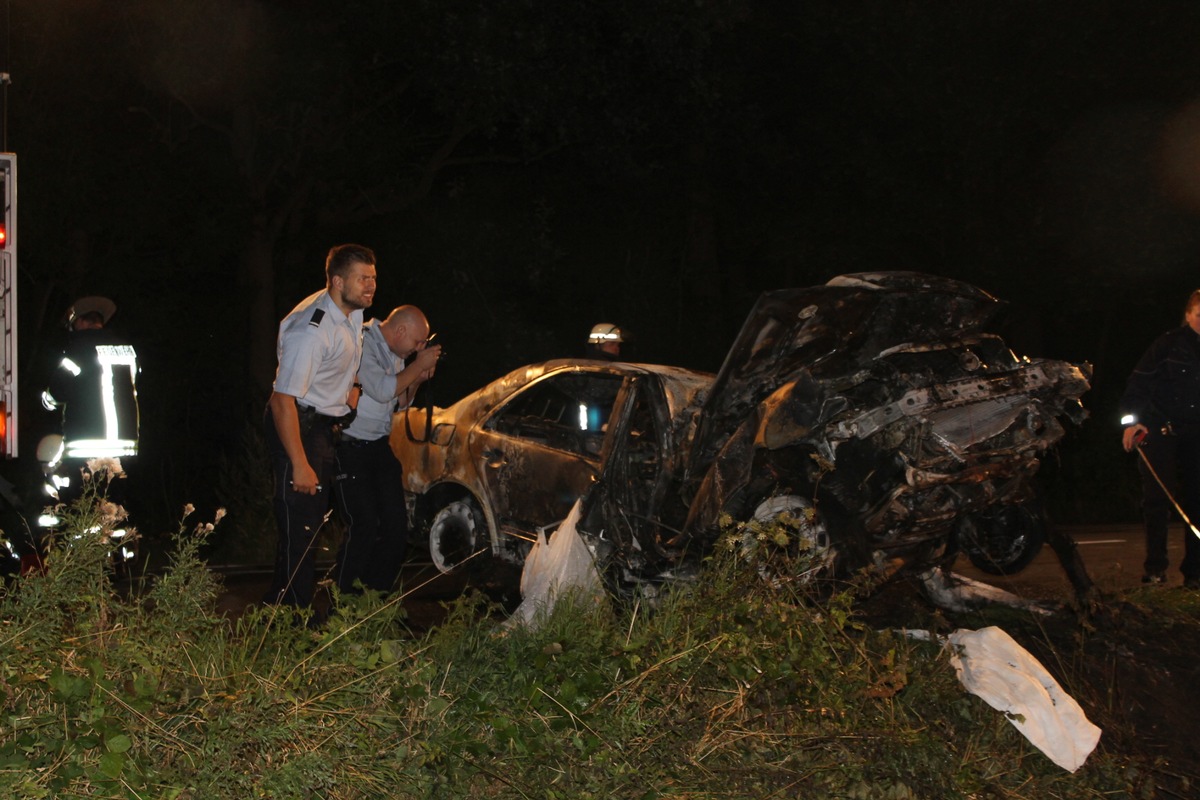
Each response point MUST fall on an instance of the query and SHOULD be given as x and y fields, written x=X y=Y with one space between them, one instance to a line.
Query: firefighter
x=94 y=387
x=604 y=342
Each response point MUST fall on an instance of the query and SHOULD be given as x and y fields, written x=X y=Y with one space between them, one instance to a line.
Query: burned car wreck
x=876 y=409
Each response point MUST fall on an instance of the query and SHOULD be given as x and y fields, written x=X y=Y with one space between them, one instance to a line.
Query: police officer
x=319 y=347
x=369 y=488
x=1162 y=404
x=94 y=386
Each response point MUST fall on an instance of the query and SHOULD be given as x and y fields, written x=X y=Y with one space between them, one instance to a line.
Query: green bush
x=734 y=686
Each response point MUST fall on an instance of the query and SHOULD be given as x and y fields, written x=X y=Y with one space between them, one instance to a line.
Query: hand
x=304 y=480
x=427 y=358
x=1133 y=436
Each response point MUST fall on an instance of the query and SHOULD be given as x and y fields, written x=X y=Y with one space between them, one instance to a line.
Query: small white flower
x=187 y=510
x=111 y=513
x=219 y=516
x=105 y=467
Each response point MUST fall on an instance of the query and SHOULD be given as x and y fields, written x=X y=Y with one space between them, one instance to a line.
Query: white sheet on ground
x=554 y=567
x=991 y=665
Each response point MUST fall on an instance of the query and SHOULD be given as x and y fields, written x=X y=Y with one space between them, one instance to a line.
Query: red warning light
x=3 y=235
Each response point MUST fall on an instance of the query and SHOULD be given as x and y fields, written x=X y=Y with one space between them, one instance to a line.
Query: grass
x=732 y=687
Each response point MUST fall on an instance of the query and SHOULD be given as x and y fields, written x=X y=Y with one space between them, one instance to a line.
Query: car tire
x=458 y=532
x=798 y=519
x=1004 y=540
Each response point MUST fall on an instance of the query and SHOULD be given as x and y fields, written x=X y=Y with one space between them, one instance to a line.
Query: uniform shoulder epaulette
x=318 y=315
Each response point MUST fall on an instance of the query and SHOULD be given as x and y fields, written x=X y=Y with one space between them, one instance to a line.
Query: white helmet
x=50 y=449
x=605 y=333
x=89 y=305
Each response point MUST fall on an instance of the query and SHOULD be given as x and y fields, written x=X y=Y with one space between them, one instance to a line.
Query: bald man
x=368 y=482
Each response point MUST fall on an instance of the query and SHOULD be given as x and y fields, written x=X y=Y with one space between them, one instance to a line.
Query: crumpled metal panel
x=879 y=394
x=837 y=330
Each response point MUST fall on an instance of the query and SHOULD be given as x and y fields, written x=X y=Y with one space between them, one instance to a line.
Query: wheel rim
x=805 y=532
x=993 y=543
x=454 y=536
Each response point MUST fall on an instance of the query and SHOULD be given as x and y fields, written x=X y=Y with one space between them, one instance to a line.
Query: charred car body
x=513 y=457
x=875 y=409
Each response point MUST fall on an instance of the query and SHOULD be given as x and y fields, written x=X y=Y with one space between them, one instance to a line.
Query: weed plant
x=734 y=686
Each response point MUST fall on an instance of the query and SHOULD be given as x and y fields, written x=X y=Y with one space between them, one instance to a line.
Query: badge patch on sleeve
x=317 y=316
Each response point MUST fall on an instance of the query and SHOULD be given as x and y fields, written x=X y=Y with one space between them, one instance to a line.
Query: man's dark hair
x=341 y=257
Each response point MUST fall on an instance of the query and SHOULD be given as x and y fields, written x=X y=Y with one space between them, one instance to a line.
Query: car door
x=542 y=449
x=634 y=503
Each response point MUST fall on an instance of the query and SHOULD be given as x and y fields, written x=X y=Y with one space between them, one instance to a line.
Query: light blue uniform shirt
x=377 y=373
x=319 y=348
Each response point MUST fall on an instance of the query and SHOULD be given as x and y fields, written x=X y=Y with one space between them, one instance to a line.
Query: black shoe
x=1159 y=577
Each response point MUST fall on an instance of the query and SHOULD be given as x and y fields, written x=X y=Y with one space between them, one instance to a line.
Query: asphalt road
x=1113 y=555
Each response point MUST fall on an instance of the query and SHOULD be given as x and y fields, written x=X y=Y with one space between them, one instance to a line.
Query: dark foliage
x=525 y=168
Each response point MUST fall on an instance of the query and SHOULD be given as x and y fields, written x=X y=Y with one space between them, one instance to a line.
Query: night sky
x=525 y=169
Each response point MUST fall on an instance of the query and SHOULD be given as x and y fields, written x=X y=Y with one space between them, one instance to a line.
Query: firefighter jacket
x=95 y=387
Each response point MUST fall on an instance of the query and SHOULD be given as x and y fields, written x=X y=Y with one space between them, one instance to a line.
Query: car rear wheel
x=1004 y=540
x=458 y=532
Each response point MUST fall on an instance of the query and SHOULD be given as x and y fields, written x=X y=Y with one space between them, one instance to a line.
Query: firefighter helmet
x=93 y=304
x=605 y=333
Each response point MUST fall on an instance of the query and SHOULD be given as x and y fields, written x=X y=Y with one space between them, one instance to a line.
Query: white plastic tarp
x=554 y=567
x=991 y=665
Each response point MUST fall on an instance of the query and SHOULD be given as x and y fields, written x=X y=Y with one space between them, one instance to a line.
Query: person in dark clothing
x=604 y=342
x=1160 y=413
x=94 y=387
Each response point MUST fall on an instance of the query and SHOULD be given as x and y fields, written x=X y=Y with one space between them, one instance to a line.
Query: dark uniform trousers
x=299 y=516
x=1175 y=457
x=371 y=501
